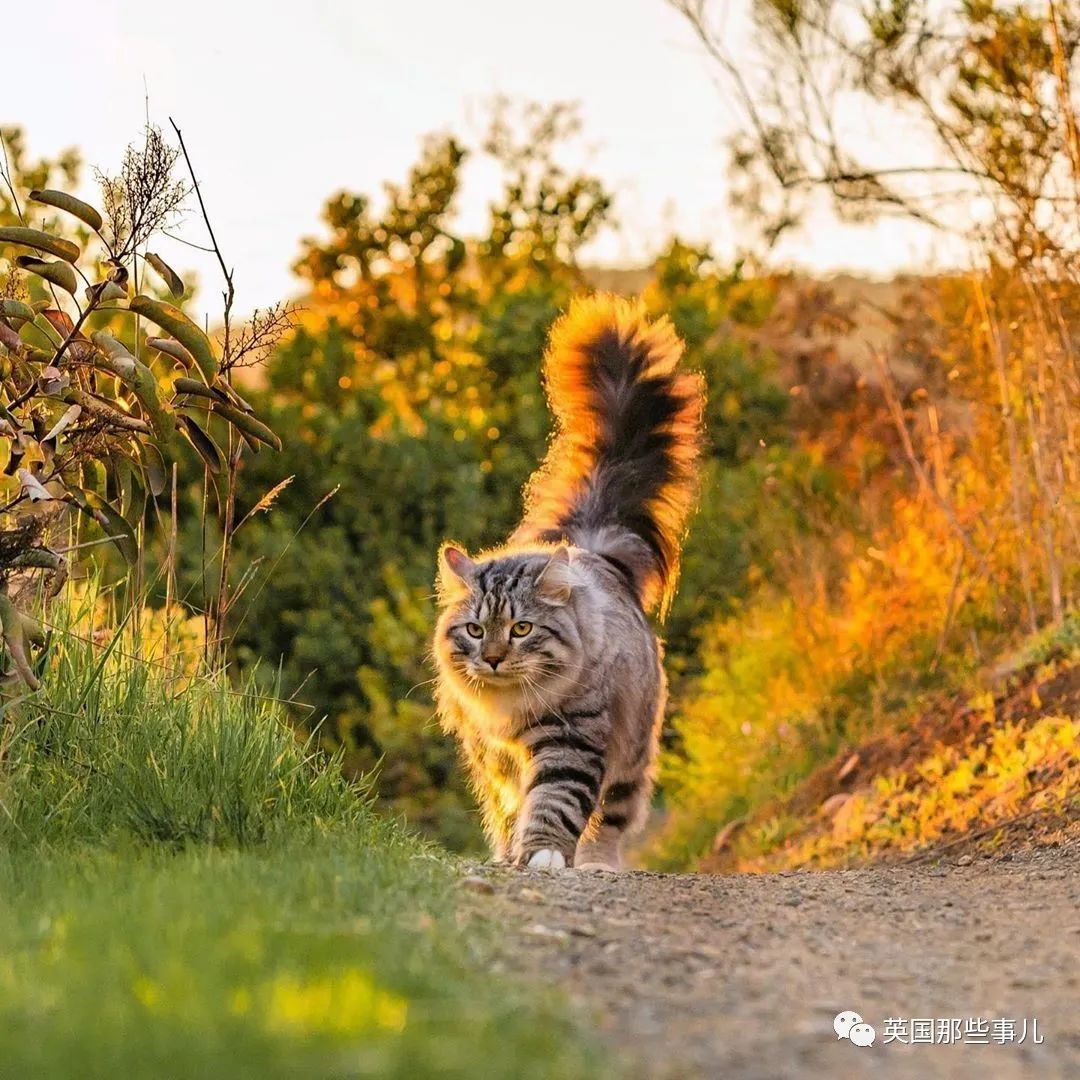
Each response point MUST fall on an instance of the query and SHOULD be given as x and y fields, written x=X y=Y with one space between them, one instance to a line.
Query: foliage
x=955 y=532
x=92 y=419
x=800 y=672
x=130 y=737
x=980 y=90
x=189 y=890
x=1016 y=769
x=911 y=586
x=410 y=390
x=749 y=440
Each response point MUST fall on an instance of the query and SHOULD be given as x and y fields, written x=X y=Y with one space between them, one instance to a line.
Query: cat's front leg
x=561 y=790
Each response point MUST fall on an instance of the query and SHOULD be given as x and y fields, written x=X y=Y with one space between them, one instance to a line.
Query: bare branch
x=229 y=294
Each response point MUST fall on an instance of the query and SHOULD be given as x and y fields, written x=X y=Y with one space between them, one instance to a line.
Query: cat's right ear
x=457 y=572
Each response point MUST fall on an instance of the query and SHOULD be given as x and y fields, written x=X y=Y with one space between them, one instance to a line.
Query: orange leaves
x=950 y=792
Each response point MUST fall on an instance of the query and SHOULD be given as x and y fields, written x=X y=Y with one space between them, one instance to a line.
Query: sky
x=282 y=104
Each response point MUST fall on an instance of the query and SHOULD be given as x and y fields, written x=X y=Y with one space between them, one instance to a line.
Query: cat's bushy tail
x=621 y=474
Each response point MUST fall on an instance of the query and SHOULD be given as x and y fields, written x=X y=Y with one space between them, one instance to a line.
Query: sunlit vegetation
x=858 y=546
x=103 y=382
x=409 y=403
x=952 y=450
x=190 y=885
x=998 y=768
x=949 y=793
x=188 y=890
x=889 y=500
x=217 y=548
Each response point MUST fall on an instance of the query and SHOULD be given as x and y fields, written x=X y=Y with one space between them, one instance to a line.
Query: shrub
x=132 y=738
x=93 y=409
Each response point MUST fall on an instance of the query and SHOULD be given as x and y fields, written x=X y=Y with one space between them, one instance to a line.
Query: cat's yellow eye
x=520 y=629
x=474 y=629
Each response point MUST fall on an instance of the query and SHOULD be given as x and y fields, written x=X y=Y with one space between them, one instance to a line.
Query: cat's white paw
x=545 y=859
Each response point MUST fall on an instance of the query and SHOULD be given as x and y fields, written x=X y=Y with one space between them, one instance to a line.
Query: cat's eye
x=520 y=629
x=474 y=629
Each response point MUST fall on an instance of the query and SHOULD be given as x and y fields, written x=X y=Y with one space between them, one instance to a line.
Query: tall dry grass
x=957 y=538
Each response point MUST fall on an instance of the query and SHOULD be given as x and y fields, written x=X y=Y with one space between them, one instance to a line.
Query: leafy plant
x=135 y=738
x=101 y=382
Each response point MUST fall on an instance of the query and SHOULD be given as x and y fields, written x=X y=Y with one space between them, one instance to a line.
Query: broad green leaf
x=110 y=346
x=94 y=476
x=40 y=241
x=112 y=521
x=182 y=328
x=128 y=476
x=207 y=448
x=248 y=424
x=142 y=380
x=168 y=347
x=118 y=360
x=58 y=273
x=252 y=444
x=63 y=201
x=167 y=274
x=193 y=386
x=154 y=466
x=16 y=312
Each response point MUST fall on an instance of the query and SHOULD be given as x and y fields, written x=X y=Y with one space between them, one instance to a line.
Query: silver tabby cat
x=549 y=673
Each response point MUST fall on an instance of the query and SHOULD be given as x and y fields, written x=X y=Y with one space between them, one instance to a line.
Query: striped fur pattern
x=549 y=673
x=621 y=475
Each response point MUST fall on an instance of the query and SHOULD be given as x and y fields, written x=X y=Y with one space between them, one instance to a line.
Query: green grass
x=188 y=891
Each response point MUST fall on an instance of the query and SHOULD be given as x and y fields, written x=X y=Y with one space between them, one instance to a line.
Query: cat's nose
x=494 y=661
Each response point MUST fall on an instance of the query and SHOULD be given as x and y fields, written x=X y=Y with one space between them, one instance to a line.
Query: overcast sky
x=282 y=104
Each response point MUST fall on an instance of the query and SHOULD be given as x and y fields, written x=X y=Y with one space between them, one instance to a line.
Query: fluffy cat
x=549 y=673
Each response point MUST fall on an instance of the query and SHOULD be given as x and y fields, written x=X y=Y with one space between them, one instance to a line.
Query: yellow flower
x=147 y=993
x=341 y=1004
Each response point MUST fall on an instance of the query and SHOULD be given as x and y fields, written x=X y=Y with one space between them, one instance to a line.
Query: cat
x=549 y=673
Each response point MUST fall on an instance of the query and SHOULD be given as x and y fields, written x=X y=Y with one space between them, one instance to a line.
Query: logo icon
x=849 y=1025
x=862 y=1035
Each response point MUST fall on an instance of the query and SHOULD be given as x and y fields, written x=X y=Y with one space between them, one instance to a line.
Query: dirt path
x=739 y=976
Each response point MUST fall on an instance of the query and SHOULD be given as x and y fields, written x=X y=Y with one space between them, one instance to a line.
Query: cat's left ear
x=456 y=572
x=554 y=582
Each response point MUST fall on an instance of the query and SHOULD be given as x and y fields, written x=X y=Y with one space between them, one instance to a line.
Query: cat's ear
x=554 y=583
x=456 y=573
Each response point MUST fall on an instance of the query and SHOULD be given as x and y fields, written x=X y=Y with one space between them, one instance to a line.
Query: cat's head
x=507 y=620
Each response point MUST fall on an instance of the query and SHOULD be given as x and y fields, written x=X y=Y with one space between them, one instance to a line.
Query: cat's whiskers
x=528 y=684
x=424 y=682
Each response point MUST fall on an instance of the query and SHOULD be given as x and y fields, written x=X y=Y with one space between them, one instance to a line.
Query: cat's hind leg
x=623 y=806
